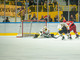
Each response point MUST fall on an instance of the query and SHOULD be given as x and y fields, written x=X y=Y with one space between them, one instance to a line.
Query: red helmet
x=45 y=16
x=64 y=21
x=68 y=22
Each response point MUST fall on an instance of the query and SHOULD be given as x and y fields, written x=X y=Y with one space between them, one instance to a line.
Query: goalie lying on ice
x=44 y=33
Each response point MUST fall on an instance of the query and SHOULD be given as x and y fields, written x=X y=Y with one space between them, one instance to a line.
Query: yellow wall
x=15 y=34
x=52 y=14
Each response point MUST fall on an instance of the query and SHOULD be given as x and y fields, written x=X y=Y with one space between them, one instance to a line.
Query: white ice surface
x=12 y=48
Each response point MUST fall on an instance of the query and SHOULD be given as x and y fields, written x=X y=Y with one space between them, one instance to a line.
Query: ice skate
x=63 y=38
x=77 y=36
x=70 y=37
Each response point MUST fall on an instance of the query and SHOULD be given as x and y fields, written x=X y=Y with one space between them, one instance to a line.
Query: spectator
x=73 y=2
x=19 y=3
x=45 y=3
x=6 y=20
x=29 y=13
x=35 y=3
x=72 y=18
x=22 y=13
x=45 y=6
x=79 y=18
x=66 y=2
x=56 y=18
x=60 y=8
x=41 y=3
x=55 y=2
x=27 y=2
x=34 y=17
x=73 y=9
x=7 y=2
x=50 y=3
x=62 y=18
x=46 y=18
x=42 y=18
x=50 y=19
x=31 y=3
x=1 y=2
x=11 y=2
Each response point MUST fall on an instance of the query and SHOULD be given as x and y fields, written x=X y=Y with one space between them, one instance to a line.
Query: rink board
x=12 y=28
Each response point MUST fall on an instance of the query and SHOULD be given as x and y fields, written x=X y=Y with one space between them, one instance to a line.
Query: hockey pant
x=63 y=31
x=73 y=28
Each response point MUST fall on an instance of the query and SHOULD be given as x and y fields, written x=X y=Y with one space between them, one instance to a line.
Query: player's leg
x=46 y=35
x=52 y=35
x=36 y=35
x=60 y=33
x=71 y=28
x=74 y=30
x=68 y=34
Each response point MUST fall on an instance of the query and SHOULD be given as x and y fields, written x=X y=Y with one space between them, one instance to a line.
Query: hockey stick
x=56 y=35
x=52 y=35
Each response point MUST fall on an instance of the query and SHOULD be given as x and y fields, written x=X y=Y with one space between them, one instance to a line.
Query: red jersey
x=69 y=23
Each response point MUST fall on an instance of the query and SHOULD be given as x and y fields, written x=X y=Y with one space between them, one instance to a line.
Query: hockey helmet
x=64 y=21
x=62 y=24
x=45 y=27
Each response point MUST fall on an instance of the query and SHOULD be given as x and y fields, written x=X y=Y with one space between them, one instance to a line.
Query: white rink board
x=12 y=48
x=14 y=27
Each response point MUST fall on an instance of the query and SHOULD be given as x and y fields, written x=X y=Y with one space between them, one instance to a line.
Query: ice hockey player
x=72 y=26
x=62 y=27
x=44 y=33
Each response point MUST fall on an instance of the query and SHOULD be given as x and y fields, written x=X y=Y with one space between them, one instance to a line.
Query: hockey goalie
x=44 y=33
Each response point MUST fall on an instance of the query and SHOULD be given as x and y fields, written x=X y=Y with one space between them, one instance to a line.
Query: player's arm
x=67 y=26
x=59 y=27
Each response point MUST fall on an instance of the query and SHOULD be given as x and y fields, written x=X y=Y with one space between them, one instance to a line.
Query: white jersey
x=61 y=25
x=67 y=26
x=43 y=31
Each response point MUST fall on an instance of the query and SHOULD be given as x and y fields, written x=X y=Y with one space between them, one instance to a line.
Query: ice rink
x=12 y=48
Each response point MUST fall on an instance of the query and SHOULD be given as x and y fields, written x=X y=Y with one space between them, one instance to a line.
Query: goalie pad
x=36 y=35
x=52 y=35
